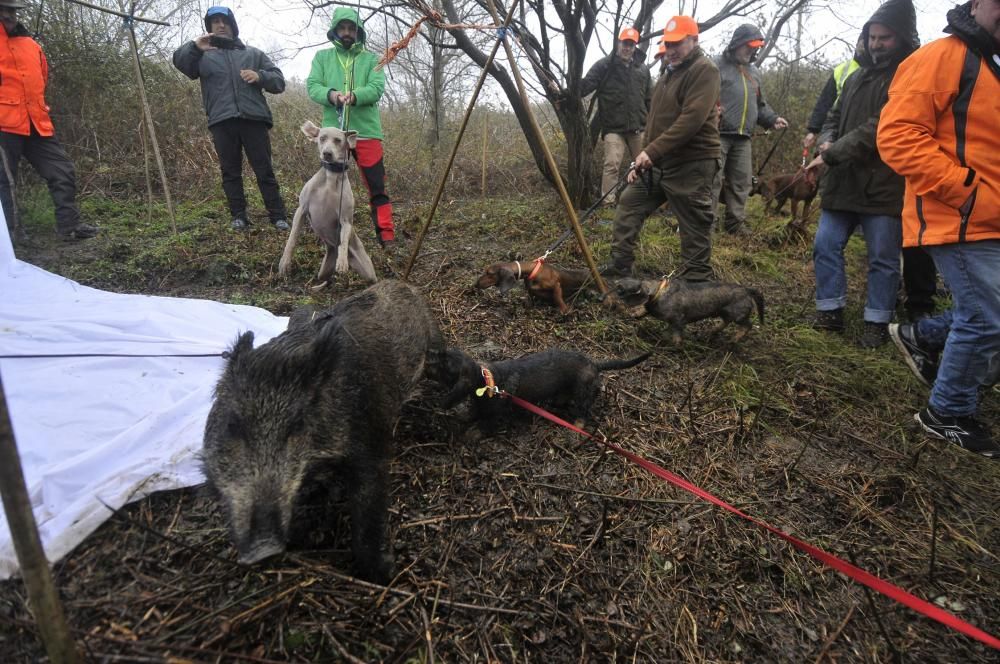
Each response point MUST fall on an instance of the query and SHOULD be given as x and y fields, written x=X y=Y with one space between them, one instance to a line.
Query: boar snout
x=265 y=537
x=258 y=551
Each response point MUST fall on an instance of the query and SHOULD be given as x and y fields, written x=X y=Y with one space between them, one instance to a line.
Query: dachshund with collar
x=554 y=376
x=799 y=187
x=679 y=302
x=542 y=281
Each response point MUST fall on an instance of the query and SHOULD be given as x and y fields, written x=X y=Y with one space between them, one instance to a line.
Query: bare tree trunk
x=503 y=78
x=437 y=82
x=579 y=176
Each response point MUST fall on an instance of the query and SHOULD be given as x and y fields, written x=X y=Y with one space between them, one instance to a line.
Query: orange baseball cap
x=755 y=43
x=660 y=51
x=629 y=33
x=680 y=27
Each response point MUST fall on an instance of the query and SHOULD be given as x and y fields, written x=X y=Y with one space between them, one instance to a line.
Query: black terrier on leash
x=555 y=376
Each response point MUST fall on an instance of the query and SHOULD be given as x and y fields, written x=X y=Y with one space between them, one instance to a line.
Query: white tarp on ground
x=93 y=430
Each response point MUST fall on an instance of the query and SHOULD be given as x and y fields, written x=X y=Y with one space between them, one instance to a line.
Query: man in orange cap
x=743 y=108
x=661 y=53
x=623 y=90
x=679 y=160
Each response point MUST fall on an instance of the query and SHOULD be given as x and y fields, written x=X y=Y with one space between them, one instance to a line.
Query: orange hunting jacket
x=24 y=72
x=939 y=131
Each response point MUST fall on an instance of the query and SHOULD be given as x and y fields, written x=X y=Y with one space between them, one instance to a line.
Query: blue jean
x=883 y=238
x=970 y=270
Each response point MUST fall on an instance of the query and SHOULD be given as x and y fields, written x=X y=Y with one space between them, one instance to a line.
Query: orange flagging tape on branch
x=435 y=18
x=391 y=52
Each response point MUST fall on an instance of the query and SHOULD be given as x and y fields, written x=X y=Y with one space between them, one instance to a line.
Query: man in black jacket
x=233 y=77
x=919 y=273
x=859 y=188
x=624 y=89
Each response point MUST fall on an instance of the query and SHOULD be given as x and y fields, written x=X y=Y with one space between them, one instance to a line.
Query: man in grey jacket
x=233 y=77
x=743 y=108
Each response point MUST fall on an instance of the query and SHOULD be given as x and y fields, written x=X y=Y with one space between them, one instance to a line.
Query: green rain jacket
x=347 y=71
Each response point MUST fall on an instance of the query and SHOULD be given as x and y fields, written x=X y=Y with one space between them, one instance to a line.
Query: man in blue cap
x=233 y=79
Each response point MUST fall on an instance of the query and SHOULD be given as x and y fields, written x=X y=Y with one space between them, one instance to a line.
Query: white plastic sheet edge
x=95 y=433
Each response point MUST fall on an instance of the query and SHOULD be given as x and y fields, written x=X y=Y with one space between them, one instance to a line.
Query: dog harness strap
x=490 y=387
x=518 y=264
x=660 y=290
x=535 y=270
x=334 y=166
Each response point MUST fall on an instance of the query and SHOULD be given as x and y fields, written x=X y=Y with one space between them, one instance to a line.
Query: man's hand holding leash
x=642 y=163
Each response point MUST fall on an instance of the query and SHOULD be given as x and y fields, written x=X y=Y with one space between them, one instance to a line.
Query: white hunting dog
x=328 y=200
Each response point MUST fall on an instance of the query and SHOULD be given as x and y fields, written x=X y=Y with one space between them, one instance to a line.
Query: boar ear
x=242 y=345
x=328 y=339
x=310 y=130
x=352 y=138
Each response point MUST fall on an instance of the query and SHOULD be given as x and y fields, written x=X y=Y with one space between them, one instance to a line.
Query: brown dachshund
x=543 y=281
x=798 y=187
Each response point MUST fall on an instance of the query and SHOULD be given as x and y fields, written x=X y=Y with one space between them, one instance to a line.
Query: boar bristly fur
x=327 y=390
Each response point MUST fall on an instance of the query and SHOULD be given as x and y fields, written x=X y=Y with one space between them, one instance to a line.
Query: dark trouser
x=919 y=281
x=51 y=162
x=368 y=154
x=234 y=137
x=688 y=188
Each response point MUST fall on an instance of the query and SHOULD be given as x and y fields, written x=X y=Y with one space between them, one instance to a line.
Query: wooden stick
x=42 y=596
x=150 y=126
x=117 y=13
x=454 y=150
x=486 y=135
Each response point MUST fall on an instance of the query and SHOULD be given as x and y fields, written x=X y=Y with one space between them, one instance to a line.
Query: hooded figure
x=859 y=189
x=233 y=79
x=743 y=108
x=741 y=97
x=858 y=180
x=344 y=81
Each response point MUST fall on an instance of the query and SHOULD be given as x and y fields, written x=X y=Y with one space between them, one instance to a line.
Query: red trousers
x=368 y=154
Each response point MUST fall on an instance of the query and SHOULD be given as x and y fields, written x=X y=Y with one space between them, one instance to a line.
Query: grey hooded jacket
x=224 y=94
x=741 y=96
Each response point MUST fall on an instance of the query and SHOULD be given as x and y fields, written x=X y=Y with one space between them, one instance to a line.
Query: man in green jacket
x=623 y=87
x=680 y=158
x=343 y=80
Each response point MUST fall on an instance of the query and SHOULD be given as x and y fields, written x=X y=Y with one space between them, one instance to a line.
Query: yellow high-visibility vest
x=842 y=72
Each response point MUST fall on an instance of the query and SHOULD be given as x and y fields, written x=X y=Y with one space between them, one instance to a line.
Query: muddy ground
x=536 y=545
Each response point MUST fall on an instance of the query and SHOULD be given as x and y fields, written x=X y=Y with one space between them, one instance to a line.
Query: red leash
x=856 y=573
